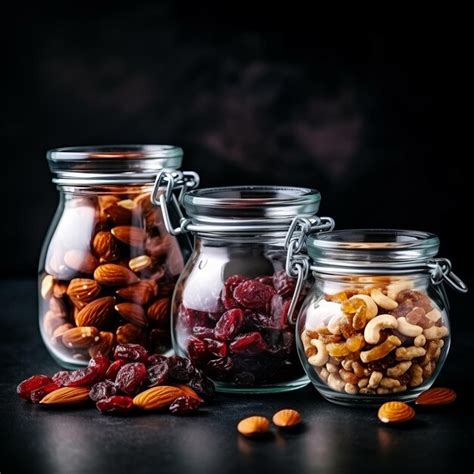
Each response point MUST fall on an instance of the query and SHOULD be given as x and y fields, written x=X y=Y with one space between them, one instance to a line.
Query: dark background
x=357 y=108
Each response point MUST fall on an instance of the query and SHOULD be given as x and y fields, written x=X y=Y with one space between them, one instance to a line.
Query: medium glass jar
x=231 y=305
x=108 y=267
x=375 y=325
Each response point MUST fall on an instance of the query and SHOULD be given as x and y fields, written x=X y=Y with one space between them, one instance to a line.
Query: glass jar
x=375 y=325
x=108 y=267
x=231 y=305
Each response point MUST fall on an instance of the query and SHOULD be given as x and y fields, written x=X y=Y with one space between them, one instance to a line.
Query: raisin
x=250 y=344
x=38 y=394
x=115 y=404
x=113 y=369
x=81 y=377
x=203 y=332
x=216 y=348
x=284 y=284
x=219 y=369
x=99 y=364
x=155 y=359
x=131 y=353
x=201 y=384
x=184 y=406
x=197 y=348
x=228 y=291
x=35 y=382
x=254 y=295
x=102 y=390
x=158 y=374
x=130 y=377
x=229 y=324
x=180 y=369
x=61 y=377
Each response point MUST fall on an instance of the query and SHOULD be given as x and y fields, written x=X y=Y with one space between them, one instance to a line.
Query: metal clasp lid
x=297 y=263
x=440 y=269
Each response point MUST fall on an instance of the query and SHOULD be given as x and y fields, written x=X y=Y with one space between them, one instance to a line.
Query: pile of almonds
x=110 y=270
x=135 y=379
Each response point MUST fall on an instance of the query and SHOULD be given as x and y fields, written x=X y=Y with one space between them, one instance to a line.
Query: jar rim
x=112 y=164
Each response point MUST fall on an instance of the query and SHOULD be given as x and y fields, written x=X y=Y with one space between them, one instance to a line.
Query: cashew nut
x=375 y=325
x=375 y=378
x=383 y=301
x=434 y=315
x=347 y=364
x=324 y=374
x=435 y=332
x=380 y=351
x=334 y=324
x=336 y=383
x=363 y=382
x=348 y=377
x=407 y=329
x=306 y=340
x=420 y=340
x=366 y=391
x=359 y=369
x=409 y=353
x=388 y=382
x=372 y=308
x=394 y=288
x=399 y=369
x=323 y=311
x=321 y=356
x=331 y=368
x=350 y=388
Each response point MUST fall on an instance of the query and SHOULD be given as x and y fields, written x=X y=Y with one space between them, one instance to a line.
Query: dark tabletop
x=333 y=438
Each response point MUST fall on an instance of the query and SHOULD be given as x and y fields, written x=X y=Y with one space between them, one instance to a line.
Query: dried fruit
x=228 y=291
x=180 y=369
x=436 y=396
x=254 y=295
x=229 y=324
x=130 y=235
x=133 y=313
x=38 y=394
x=111 y=274
x=113 y=369
x=66 y=396
x=189 y=392
x=158 y=374
x=102 y=390
x=34 y=382
x=131 y=353
x=61 y=377
x=130 y=377
x=286 y=418
x=253 y=426
x=141 y=293
x=184 y=406
x=157 y=397
x=201 y=384
x=96 y=313
x=395 y=412
x=115 y=404
x=284 y=284
x=250 y=344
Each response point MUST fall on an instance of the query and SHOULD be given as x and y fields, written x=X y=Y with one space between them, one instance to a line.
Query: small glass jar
x=108 y=267
x=231 y=305
x=375 y=325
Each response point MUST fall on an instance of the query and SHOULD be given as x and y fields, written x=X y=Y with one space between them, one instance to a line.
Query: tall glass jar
x=231 y=304
x=375 y=325
x=108 y=267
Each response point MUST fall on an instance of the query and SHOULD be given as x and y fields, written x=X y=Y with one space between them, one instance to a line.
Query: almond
x=51 y=322
x=80 y=260
x=60 y=289
x=130 y=235
x=137 y=264
x=47 y=285
x=66 y=396
x=81 y=338
x=105 y=246
x=96 y=313
x=436 y=396
x=82 y=291
x=57 y=307
x=119 y=214
x=158 y=311
x=286 y=418
x=253 y=426
x=60 y=330
x=140 y=293
x=104 y=345
x=158 y=246
x=395 y=412
x=129 y=334
x=189 y=392
x=111 y=274
x=133 y=313
x=157 y=397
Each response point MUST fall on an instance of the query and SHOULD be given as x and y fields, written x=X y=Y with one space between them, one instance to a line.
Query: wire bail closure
x=441 y=270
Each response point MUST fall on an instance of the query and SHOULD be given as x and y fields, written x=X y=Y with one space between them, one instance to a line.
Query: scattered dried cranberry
x=249 y=344
x=229 y=324
x=99 y=364
x=61 y=377
x=228 y=291
x=38 y=394
x=81 y=378
x=252 y=294
x=102 y=390
x=184 y=406
x=113 y=369
x=130 y=377
x=131 y=353
x=35 y=382
x=158 y=374
x=180 y=369
x=115 y=404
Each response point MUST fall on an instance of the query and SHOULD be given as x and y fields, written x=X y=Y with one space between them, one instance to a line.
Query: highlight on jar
x=231 y=304
x=375 y=325
x=108 y=266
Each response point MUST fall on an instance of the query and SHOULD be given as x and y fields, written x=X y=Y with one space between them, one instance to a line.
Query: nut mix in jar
x=375 y=325
x=231 y=303
x=108 y=266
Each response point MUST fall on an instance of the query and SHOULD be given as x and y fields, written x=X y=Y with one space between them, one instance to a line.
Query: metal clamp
x=441 y=271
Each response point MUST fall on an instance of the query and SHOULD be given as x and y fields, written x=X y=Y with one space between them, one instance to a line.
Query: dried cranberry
x=203 y=332
x=250 y=344
x=130 y=377
x=115 y=404
x=158 y=374
x=155 y=359
x=219 y=369
x=35 y=382
x=184 y=406
x=189 y=318
x=228 y=291
x=81 y=377
x=180 y=369
x=254 y=295
x=266 y=280
x=113 y=369
x=131 y=353
x=257 y=321
x=229 y=324
x=102 y=390
x=284 y=284
x=216 y=348
x=201 y=384
x=279 y=311
x=61 y=377
x=197 y=348
x=99 y=364
x=38 y=394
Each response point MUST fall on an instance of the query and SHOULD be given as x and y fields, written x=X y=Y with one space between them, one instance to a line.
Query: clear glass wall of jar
x=230 y=307
x=375 y=325
x=108 y=267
